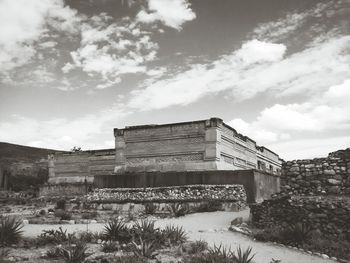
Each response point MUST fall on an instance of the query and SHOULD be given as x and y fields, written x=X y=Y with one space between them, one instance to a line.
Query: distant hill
x=12 y=153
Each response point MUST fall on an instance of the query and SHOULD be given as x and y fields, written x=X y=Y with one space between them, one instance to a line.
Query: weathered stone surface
x=333 y=181
x=189 y=146
x=329 y=175
x=186 y=193
x=329 y=215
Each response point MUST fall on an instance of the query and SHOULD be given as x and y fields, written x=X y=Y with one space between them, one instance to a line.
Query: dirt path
x=211 y=227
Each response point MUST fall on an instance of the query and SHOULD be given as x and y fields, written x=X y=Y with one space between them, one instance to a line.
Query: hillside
x=11 y=153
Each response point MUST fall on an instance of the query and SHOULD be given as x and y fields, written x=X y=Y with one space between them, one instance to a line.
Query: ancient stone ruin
x=149 y=155
x=313 y=191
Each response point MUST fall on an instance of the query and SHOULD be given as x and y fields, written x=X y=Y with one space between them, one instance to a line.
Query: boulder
x=332 y=181
x=237 y=221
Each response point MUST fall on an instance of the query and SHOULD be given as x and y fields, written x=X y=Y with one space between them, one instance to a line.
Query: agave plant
x=54 y=236
x=244 y=256
x=219 y=254
x=53 y=253
x=116 y=230
x=150 y=208
x=10 y=230
x=174 y=234
x=297 y=233
x=146 y=230
x=74 y=253
x=109 y=246
x=144 y=248
x=198 y=246
x=177 y=209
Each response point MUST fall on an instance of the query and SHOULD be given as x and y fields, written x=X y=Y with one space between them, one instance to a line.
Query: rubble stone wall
x=329 y=175
x=169 y=194
x=328 y=214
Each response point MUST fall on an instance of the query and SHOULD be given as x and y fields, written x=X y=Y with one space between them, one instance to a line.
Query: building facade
x=190 y=146
x=205 y=145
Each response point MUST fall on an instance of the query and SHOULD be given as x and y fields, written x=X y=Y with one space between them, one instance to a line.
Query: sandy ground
x=211 y=227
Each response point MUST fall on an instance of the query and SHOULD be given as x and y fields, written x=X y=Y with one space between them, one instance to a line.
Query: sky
x=277 y=71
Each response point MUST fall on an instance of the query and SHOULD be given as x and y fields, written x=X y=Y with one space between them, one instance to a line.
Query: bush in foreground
x=109 y=246
x=53 y=236
x=10 y=230
x=174 y=235
x=220 y=254
x=116 y=230
x=74 y=253
x=144 y=248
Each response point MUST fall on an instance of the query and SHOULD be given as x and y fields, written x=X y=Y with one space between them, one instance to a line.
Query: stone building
x=205 y=145
x=190 y=146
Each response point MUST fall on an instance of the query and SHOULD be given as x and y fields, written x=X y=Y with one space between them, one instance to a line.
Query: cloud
x=61 y=133
x=21 y=27
x=200 y=80
x=310 y=147
x=303 y=25
x=173 y=13
x=326 y=115
x=112 y=49
x=254 y=68
x=257 y=51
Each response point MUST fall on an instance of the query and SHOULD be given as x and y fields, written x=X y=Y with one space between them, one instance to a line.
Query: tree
x=76 y=149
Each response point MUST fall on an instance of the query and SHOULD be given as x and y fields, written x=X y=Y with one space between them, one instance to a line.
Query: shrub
x=244 y=256
x=218 y=255
x=29 y=242
x=66 y=216
x=128 y=259
x=110 y=246
x=61 y=204
x=10 y=230
x=87 y=237
x=146 y=230
x=54 y=236
x=53 y=253
x=178 y=209
x=222 y=255
x=42 y=212
x=174 y=234
x=144 y=248
x=198 y=246
x=116 y=230
x=74 y=253
x=150 y=208
x=268 y=234
x=296 y=233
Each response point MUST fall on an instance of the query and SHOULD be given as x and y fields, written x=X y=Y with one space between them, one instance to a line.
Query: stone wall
x=258 y=185
x=189 y=146
x=235 y=193
x=64 y=189
x=328 y=214
x=329 y=175
x=78 y=167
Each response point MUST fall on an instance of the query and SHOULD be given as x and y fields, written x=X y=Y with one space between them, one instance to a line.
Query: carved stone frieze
x=162 y=159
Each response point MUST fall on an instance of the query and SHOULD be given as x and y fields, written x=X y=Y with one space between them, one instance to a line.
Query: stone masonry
x=330 y=175
x=190 y=146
